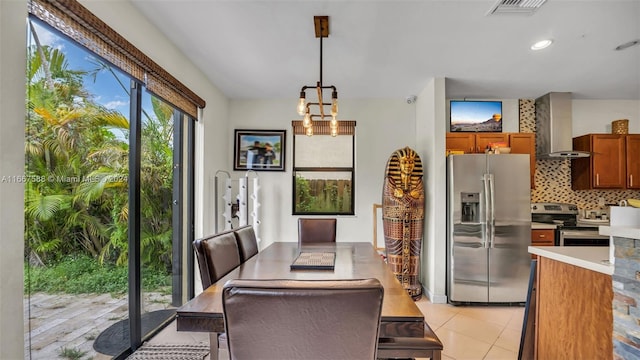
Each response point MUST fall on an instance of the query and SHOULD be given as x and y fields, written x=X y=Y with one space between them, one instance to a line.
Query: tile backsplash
x=553 y=177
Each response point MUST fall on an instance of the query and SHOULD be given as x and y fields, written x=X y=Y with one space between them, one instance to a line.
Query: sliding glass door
x=108 y=203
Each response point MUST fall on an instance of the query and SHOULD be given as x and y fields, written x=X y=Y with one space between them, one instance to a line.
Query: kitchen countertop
x=542 y=226
x=625 y=222
x=620 y=231
x=595 y=258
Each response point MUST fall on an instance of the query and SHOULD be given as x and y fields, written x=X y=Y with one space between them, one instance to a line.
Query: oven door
x=581 y=237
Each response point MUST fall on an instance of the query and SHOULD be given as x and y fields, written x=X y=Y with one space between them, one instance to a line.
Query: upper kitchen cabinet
x=473 y=142
x=461 y=141
x=632 y=143
x=484 y=139
x=605 y=168
x=525 y=143
x=520 y=143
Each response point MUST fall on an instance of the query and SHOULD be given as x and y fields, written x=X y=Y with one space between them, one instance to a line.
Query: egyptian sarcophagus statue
x=403 y=217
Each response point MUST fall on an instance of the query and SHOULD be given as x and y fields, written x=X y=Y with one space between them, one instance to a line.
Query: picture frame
x=259 y=150
x=475 y=116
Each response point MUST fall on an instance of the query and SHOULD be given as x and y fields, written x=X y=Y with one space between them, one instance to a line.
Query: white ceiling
x=391 y=49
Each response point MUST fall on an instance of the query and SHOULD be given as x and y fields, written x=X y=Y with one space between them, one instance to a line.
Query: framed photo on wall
x=259 y=150
x=475 y=116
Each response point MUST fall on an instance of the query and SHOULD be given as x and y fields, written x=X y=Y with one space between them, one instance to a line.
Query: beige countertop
x=620 y=231
x=595 y=258
x=542 y=226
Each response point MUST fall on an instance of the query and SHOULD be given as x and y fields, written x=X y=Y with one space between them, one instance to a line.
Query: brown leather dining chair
x=302 y=319
x=247 y=242
x=313 y=230
x=217 y=256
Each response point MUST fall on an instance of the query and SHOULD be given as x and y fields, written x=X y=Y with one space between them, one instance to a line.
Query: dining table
x=400 y=317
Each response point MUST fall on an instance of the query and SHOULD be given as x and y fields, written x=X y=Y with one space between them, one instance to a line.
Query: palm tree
x=72 y=143
x=63 y=127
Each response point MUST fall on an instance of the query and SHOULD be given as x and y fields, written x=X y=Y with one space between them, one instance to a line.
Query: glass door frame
x=179 y=245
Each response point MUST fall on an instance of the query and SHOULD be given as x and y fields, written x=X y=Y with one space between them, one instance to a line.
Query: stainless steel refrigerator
x=488 y=228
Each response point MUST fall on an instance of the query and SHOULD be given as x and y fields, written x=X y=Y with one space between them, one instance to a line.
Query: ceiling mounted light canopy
x=305 y=108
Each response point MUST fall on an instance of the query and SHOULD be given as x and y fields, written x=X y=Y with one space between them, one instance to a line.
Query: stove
x=554 y=213
x=569 y=231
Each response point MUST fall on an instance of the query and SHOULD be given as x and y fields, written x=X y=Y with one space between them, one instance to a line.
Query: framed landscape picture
x=475 y=116
x=259 y=150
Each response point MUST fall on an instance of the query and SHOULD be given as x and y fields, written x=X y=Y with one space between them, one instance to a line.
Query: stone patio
x=62 y=321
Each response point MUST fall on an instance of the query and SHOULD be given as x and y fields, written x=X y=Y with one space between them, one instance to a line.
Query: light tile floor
x=475 y=332
x=467 y=332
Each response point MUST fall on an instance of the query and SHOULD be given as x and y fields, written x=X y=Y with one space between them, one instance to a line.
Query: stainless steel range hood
x=553 y=127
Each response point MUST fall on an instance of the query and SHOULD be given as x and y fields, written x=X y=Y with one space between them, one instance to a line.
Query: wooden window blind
x=78 y=23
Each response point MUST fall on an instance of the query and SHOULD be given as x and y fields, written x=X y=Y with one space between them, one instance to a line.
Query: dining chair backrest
x=302 y=319
x=316 y=230
x=247 y=242
x=217 y=256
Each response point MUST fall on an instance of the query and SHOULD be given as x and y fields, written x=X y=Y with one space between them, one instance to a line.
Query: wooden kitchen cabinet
x=525 y=143
x=605 y=168
x=632 y=149
x=461 y=141
x=573 y=316
x=476 y=143
x=542 y=237
x=484 y=139
x=473 y=143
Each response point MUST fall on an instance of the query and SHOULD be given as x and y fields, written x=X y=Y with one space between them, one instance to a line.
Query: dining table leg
x=213 y=346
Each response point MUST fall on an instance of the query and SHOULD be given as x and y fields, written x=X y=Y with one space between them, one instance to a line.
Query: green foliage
x=304 y=199
x=72 y=354
x=78 y=204
x=84 y=275
x=329 y=196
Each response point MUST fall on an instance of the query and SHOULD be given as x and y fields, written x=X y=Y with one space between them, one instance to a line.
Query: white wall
x=431 y=126
x=595 y=116
x=383 y=126
x=12 y=89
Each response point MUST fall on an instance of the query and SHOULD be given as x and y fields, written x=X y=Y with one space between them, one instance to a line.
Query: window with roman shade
x=323 y=169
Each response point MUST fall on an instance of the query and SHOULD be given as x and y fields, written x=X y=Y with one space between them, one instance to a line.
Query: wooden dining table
x=353 y=260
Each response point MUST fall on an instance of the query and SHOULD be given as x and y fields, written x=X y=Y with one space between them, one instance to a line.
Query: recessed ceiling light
x=541 y=44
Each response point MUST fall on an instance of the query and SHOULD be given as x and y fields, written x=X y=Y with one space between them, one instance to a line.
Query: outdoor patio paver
x=54 y=322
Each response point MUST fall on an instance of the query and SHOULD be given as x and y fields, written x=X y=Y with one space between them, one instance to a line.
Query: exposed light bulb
x=334 y=122
x=334 y=132
x=301 y=107
x=334 y=107
x=309 y=131
x=306 y=122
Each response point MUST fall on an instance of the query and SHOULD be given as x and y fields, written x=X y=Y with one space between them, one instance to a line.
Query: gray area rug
x=170 y=352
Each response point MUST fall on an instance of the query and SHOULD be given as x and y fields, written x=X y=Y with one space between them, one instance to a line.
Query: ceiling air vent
x=516 y=7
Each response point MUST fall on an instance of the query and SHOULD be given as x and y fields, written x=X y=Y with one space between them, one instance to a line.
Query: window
x=323 y=170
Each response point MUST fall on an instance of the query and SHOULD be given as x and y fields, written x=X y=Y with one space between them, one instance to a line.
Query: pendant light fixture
x=321 y=24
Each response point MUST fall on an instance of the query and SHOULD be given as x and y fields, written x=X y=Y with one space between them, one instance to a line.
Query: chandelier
x=321 y=24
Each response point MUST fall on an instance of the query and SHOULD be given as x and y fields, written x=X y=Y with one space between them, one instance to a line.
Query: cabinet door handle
x=630 y=180
x=542 y=236
x=597 y=179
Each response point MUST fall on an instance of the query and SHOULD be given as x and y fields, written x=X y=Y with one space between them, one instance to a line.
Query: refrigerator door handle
x=492 y=214
x=487 y=209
